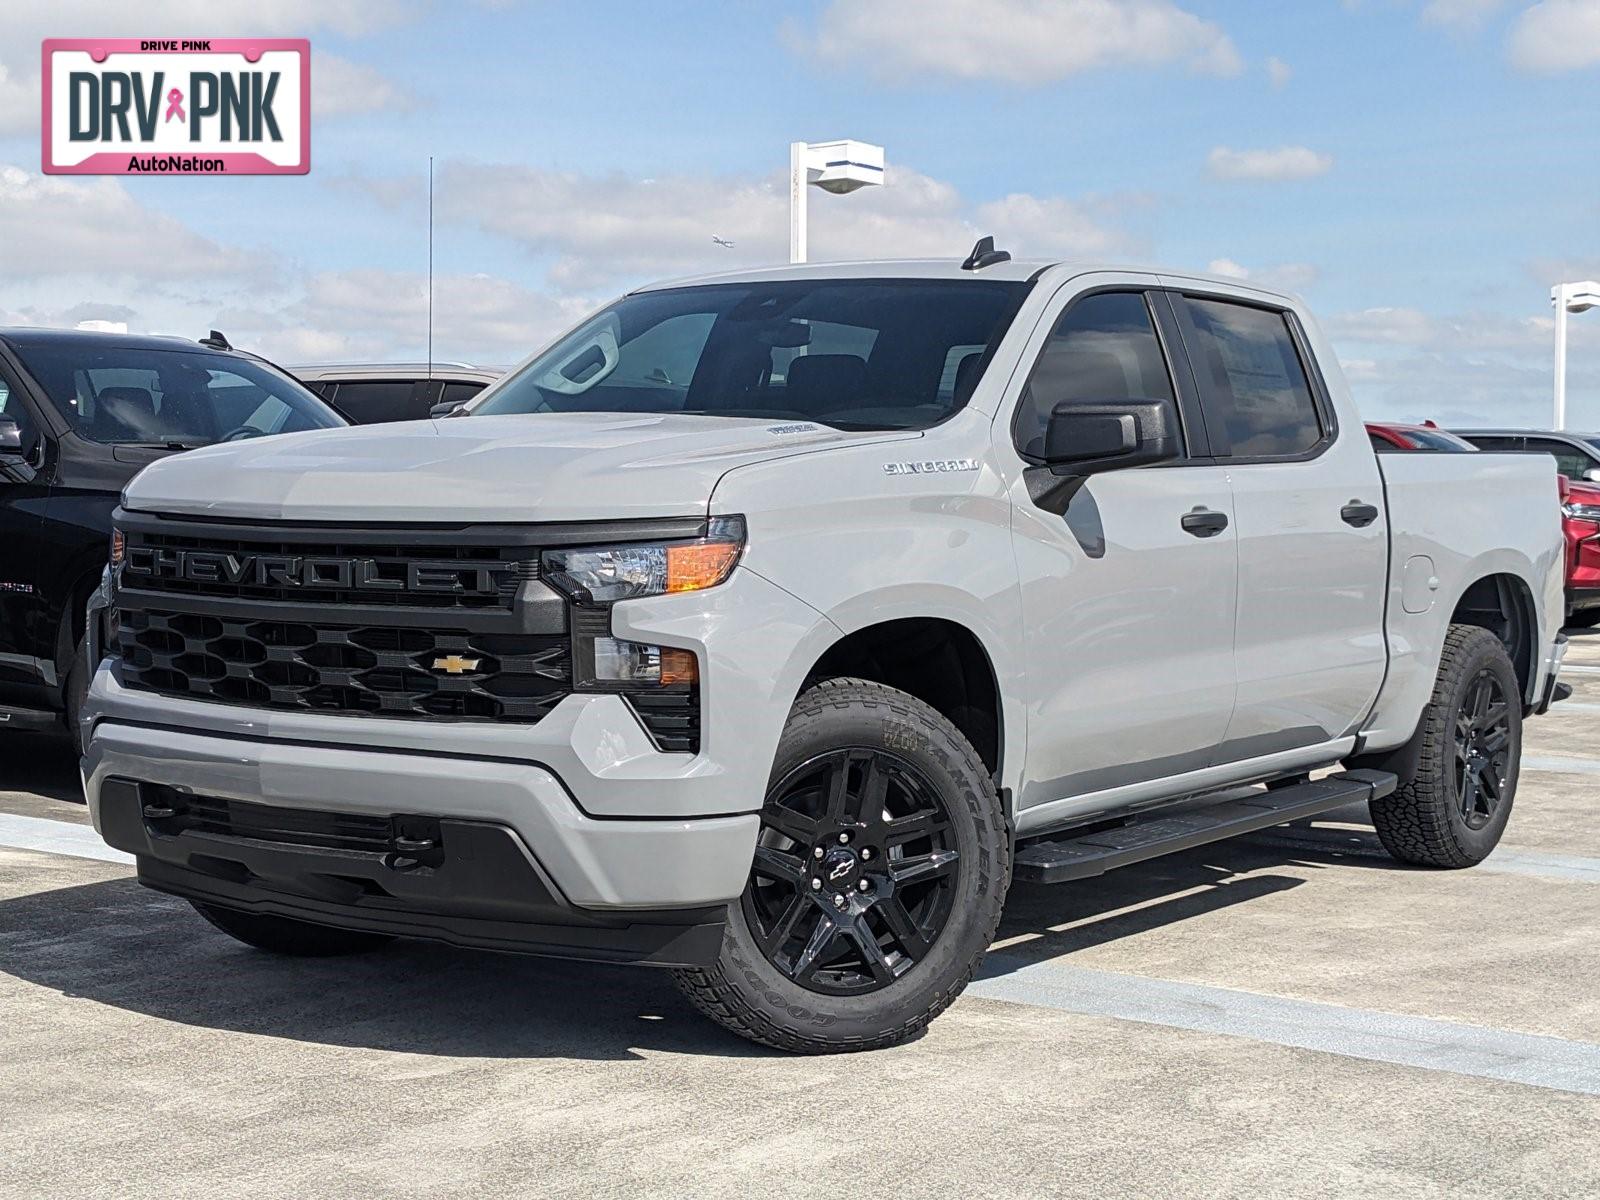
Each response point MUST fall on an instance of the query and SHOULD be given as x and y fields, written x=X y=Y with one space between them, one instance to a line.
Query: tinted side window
x=460 y=393
x=1258 y=402
x=1497 y=445
x=1570 y=461
x=1103 y=349
x=370 y=402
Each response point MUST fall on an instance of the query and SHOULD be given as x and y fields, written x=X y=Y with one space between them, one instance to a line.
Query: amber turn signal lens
x=697 y=565
x=678 y=666
x=119 y=547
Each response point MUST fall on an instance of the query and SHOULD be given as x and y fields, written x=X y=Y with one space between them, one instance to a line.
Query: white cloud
x=604 y=230
x=1285 y=277
x=340 y=87
x=51 y=225
x=1018 y=41
x=26 y=25
x=1279 y=72
x=1555 y=36
x=368 y=314
x=1463 y=368
x=1286 y=162
x=1460 y=14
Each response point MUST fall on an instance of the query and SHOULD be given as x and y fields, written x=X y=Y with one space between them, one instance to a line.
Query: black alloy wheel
x=1482 y=748
x=855 y=872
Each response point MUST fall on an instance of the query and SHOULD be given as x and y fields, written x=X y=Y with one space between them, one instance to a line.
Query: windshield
x=854 y=354
x=178 y=398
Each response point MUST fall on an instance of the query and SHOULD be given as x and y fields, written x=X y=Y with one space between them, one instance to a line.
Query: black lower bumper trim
x=483 y=890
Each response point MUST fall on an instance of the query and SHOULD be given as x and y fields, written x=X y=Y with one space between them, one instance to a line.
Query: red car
x=1388 y=438
x=1580 y=522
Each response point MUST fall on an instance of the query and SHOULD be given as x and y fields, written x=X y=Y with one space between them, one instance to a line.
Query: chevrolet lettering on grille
x=308 y=571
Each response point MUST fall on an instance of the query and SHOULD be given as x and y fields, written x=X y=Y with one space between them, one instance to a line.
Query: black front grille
x=358 y=571
x=172 y=811
x=279 y=662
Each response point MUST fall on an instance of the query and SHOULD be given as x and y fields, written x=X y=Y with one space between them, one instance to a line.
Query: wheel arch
x=943 y=662
x=1502 y=602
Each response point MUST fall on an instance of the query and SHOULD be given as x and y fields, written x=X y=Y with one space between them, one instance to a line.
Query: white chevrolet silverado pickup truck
x=767 y=626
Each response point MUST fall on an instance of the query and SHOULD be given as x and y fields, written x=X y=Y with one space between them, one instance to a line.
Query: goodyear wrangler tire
x=879 y=877
x=1455 y=806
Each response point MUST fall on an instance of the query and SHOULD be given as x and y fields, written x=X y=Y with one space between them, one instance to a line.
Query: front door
x=1310 y=524
x=23 y=492
x=1128 y=595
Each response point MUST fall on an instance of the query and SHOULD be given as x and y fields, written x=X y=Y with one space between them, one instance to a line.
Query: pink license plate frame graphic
x=233 y=162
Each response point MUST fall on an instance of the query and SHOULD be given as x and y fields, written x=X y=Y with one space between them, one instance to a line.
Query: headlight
x=605 y=574
x=1582 y=512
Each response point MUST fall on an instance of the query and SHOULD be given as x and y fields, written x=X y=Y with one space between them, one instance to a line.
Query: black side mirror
x=1089 y=439
x=447 y=408
x=14 y=464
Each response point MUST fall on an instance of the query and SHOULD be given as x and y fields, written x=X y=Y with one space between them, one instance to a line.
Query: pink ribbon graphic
x=175 y=105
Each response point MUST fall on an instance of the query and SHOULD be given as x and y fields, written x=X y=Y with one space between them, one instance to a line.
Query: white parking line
x=1562 y=763
x=57 y=837
x=1432 y=1045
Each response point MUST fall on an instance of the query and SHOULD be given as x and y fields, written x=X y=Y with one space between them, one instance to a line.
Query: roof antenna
x=430 y=266
x=985 y=255
x=216 y=341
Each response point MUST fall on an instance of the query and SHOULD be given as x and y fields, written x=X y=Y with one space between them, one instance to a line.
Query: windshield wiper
x=162 y=445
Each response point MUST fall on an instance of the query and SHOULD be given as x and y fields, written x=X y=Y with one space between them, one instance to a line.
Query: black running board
x=1096 y=853
x=27 y=718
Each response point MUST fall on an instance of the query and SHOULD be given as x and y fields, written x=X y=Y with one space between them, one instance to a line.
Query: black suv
x=80 y=414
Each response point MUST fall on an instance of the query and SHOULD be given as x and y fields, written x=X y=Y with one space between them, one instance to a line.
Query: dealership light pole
x=837 y=167
x=1568 y=298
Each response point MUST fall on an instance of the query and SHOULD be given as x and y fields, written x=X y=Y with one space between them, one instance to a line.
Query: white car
x=767 y=626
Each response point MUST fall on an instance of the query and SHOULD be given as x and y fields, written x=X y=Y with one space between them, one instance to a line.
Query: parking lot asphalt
x=1286 y=1014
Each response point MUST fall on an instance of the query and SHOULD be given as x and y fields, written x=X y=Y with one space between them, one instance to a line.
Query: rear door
x=1127 y=595
x=1310 y=527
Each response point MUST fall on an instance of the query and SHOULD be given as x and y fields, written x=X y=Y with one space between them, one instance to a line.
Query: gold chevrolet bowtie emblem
x=454 y=664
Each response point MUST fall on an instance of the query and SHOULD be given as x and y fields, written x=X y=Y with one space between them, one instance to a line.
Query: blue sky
x=1421 y=171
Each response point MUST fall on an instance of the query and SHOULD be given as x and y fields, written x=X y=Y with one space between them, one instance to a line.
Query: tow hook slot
x=416 y=842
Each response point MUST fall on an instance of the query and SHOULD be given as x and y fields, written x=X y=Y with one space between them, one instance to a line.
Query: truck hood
x=538 y=467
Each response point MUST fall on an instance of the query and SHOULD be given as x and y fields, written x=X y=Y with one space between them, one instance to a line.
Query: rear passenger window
x=375 y=401
x=460 y=393
x=1257 y=399
x=1102 y=350
x=1570 y=461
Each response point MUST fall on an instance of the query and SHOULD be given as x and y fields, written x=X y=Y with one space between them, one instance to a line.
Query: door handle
x=1204 y=522
x=1358 y=514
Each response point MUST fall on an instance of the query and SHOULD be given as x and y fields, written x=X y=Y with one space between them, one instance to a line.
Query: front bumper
x=481 y=888
x=591 y=863
x=616 y=829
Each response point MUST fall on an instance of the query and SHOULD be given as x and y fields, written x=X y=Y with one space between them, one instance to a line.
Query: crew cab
x=80 y=414
x=767 y=626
